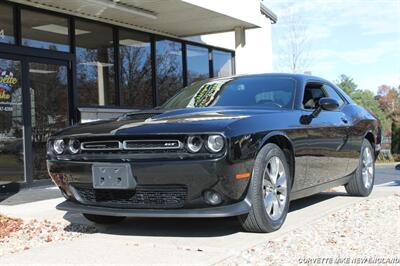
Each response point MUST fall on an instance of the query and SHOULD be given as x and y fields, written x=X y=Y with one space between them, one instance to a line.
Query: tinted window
x=197 y=63
x=333 y=94
x=95 y=63
x=264 y=92
x=312 y=94
x=169 y=69
x=6 y=24
x=44 y=31
x=135 y=64
x=222 y=63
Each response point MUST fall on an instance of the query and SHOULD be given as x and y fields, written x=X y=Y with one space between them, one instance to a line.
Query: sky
x=359 y=38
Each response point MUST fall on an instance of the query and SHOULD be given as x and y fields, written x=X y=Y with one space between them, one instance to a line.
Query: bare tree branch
x=295 y=46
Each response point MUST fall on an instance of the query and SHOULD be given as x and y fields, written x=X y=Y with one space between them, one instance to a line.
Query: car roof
x=302 y=77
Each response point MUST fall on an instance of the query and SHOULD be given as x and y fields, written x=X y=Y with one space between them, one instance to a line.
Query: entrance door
x=11 y=121
x=48 y=89
x=34 y=104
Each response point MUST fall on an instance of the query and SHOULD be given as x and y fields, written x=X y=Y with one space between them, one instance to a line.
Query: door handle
x=344 y=120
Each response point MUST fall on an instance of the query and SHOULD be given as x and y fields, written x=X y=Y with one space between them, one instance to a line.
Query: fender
x=292 y=160
x=274 y=134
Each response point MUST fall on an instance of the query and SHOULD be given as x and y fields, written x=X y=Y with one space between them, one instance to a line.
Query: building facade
x=64 y=62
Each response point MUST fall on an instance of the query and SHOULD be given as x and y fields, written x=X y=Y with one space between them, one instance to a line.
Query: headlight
x=215 y=143
x=59 y=146
x=74 y=146
x=194 y=143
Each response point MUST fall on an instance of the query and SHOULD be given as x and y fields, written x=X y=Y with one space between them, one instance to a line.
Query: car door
x=327 y=134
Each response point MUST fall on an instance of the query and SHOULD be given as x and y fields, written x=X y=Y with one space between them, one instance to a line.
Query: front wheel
x=362 y=181
x=102 y=219
x=269 y=191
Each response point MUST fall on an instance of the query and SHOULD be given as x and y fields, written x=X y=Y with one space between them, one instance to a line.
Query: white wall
x=253 y=55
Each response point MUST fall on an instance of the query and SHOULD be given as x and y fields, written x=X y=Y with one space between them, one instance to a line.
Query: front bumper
x=195 y=175
x=235 y=209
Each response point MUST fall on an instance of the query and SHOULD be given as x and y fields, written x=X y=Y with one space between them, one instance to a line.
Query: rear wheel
x=102 y=219
x=362 y=181
x=269 y=191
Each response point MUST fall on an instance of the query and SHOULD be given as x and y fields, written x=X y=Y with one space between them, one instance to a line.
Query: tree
x=364 y=98
x=295 y=49
x=347 y=84
x=367 y=99
x=389 y=99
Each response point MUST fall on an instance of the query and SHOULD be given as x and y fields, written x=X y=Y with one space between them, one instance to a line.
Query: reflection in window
x=135 y=63
x=222 y=63
x=260 y=92
x=49 y=109
x=95 y=63
x=11 y=134
x=197 y=63
x=169 y=69
x=6 y=24
x=44 y=31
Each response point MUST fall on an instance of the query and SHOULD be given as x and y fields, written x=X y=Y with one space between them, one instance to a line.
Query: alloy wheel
x=274 y=188
x=367 y=170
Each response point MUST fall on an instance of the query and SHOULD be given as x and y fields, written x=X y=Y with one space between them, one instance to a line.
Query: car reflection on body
x=240 y=146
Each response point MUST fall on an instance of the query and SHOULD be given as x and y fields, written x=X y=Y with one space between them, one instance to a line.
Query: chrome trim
x=126 y=142
x=101 y=149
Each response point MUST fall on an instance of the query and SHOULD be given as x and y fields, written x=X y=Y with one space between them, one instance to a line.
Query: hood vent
x=138 y=116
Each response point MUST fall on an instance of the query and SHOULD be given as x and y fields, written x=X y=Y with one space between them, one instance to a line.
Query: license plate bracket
x=113 y=176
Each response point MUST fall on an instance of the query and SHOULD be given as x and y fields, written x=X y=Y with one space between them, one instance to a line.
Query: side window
x=312 y=93
x=333 y=94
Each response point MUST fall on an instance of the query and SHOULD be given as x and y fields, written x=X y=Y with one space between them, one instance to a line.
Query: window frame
x=337 y=92
x=322 y=84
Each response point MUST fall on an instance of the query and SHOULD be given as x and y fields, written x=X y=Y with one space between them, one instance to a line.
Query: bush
x=395 y=148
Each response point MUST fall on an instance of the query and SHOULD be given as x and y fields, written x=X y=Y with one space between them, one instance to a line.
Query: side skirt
x=319 y=188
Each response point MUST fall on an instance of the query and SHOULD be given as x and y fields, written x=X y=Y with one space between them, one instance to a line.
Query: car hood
x=157 y=121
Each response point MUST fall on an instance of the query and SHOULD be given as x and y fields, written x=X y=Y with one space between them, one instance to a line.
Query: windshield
x=264 y=92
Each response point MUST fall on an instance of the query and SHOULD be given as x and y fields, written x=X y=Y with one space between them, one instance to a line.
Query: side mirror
x=328 y=104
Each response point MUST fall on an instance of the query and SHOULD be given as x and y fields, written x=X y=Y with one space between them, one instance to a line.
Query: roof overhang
x=177 y=18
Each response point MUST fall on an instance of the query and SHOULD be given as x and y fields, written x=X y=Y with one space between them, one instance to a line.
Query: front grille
x=144 y=196
x=132 y=145
x=101 y=145
x=152 y=144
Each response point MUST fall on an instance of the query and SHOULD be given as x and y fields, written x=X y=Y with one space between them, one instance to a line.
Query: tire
x=261 y=218
x=362 y=181
x=102 y=219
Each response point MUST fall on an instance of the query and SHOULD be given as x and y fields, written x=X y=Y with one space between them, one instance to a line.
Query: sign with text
x=7 y=85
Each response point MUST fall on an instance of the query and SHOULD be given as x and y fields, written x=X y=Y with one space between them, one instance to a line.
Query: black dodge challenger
x=240 y=146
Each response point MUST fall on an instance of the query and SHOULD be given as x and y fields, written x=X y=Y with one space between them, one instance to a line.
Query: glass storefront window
x=95 y=63
x=197 y=63
x=222 y=63
x=6 y=24
x=49 y=109
x=168 y=69
x=44 y=31
x=11 y=122
x=135 y=66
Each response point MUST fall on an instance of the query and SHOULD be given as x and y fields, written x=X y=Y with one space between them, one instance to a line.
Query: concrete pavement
x=172 y=241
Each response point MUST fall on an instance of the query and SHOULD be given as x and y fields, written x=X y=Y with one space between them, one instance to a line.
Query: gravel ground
x=367 y=230
x=35 y=233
